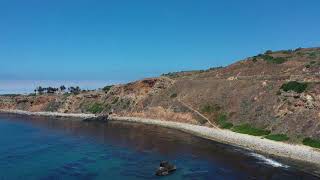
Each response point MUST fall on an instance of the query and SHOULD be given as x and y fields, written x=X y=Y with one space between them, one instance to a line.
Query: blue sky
x=124 y=40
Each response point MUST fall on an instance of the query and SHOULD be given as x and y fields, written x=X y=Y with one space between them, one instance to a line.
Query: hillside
x=275 y=91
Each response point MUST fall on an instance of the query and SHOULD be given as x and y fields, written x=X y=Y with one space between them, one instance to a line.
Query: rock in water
x=165 y=168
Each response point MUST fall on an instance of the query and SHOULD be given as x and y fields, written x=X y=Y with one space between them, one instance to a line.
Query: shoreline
x=253 y=143
x=48 y=114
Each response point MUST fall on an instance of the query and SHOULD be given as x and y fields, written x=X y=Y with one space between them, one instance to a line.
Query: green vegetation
x=65 y=95
x=209 y=108
x=268 y=52
x=312 y=55
x=53 y=106
x=222 y=122
x=254 y=59
x=174 y=95
x=181 y=73
x=277 y=60
x=107 y=88
x=312 y=64
x=277 y=137
x=299 y=54
x=248 y=129
x=271 y=59
x=74 y=90
x=311 y=142
x=289 y=51
x=294 y=86
x=10 y=95
x=96 y=108
x=115 y=100
x=214 y=68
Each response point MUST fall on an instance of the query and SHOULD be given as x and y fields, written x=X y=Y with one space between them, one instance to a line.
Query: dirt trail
x=197 y=113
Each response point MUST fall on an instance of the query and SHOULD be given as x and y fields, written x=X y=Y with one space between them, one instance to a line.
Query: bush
x=266 y=57
x=307 y=65
x=254 y=59
x=311 y=142
x=115 y=100
x=278 y=60
x=277 y=137
x=294 y=86
x=174 y=95
x=270 y=59
x=10 y=95
x=107 y=88
x=208 y=108
x=312 y=55
x=248 y=129
x=95 y=108
x=268 y=52
x=222 y=122
x=289 y=51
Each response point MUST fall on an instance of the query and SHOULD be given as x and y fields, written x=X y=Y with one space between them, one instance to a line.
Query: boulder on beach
x=101 y=118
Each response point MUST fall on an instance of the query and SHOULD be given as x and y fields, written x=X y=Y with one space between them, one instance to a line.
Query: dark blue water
x=42 y=148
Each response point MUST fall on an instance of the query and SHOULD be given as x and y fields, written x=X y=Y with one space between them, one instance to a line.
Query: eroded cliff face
x=248 y=91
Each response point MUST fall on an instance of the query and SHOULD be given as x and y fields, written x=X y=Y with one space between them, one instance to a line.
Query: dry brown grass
x=164 y=114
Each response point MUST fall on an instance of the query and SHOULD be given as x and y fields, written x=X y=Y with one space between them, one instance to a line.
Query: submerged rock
x=165 y=168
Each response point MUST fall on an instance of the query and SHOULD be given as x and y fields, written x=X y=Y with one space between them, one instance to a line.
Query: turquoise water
x=42 y=148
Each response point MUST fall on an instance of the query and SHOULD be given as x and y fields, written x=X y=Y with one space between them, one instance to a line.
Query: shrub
x=311 y=142
x=312 y=55
x=115 y=100
x=254 y=59
x=174 y=95
x=307 y=66
x=289 y=51
x=277 y=137
x=294 y=86
x=248 y=129
x=270 y=59
x=10 y=95
x=95 y=108
x=107 y=88
x=74 y=90
x=222 y=122
x=266 y=57
x=268 y=52
x=208 y=108
x=278 y=60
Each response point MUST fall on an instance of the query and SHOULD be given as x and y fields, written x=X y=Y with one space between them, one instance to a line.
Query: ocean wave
x=268 y=161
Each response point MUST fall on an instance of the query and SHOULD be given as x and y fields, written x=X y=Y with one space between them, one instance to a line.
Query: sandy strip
x=50 y=114
x=258 y=144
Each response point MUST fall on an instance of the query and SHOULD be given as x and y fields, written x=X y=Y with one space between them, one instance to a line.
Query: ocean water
x=48 y=148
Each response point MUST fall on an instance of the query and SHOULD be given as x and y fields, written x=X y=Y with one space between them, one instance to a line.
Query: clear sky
x=123 y=40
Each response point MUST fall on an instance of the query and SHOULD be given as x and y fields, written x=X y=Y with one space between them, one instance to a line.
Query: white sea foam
x=268 y=161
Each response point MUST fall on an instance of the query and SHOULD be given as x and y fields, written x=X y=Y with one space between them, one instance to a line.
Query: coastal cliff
x=278 y=92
